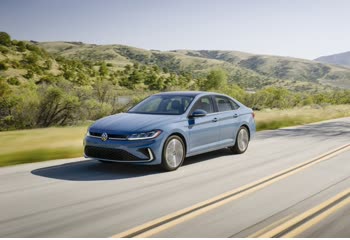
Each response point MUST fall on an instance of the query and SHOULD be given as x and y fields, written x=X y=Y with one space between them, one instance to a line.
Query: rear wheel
x=242 y=141
x=173 y=153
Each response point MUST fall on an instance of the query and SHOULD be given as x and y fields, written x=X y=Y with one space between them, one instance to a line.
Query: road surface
x=290 y=181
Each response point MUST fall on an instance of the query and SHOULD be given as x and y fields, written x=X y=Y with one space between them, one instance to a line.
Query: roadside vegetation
x=269 y=119
x=50 y=96
x=39 y=89
x=35 y=145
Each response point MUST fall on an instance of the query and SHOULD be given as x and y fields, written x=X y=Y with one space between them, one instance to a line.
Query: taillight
x=253 y=114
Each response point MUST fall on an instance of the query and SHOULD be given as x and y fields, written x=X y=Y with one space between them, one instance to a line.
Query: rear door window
x=225 y=104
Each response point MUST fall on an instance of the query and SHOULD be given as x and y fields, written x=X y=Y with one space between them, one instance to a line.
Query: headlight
x=88 y=133
x=145 y=135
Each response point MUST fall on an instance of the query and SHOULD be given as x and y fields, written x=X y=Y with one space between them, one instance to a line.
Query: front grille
x=118 y=136
x=110 y=153
x=95 y=134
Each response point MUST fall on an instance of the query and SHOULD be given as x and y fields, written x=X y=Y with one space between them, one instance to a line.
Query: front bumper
x=117 y=155
x=126 y=151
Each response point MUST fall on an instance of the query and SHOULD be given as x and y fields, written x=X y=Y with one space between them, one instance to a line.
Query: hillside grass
x=35 y=145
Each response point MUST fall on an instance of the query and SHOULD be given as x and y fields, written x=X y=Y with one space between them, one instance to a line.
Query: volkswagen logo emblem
x=104 y=136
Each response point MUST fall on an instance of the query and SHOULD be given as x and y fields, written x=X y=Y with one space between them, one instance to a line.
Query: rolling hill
x=342 y=59
x=65 y=83
x=248 y=70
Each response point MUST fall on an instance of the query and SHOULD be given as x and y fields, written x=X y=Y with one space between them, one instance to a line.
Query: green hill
x=40 y=89
x=245 y=69
x=67 y=83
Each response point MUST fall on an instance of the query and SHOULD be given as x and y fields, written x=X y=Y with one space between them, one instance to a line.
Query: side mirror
x=198 y=113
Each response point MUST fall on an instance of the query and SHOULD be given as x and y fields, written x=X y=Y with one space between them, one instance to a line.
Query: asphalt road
x=85 y=198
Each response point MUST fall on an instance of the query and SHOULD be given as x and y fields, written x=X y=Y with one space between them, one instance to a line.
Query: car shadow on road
x=207 y=156
x=92 y=170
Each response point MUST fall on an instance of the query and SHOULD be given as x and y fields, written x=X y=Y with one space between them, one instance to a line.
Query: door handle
x=214 y=120
x=235 y=115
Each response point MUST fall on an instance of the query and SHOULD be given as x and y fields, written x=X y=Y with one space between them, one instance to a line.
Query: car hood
x=132 y=122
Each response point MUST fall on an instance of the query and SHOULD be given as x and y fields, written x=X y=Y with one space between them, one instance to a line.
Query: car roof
x=187 y=93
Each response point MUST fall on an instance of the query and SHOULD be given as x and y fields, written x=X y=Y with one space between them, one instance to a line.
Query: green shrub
x=21 y=46
x=3 y=66
x=3 y=49
x=29 y=74
x=31 y=58
x=13 y=81
x=5 y=39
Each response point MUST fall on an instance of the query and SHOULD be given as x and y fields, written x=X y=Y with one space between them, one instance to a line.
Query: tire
x=242 y=141
x=173 y=153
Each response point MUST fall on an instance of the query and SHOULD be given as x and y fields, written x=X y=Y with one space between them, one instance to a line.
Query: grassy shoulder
x=35 y=145
x=274 y=119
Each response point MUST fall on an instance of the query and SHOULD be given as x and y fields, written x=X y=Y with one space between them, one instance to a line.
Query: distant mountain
x=248 y=70
x=342 y=59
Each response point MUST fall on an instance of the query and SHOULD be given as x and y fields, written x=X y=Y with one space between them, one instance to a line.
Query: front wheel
x=242 y=141
x=173 y=153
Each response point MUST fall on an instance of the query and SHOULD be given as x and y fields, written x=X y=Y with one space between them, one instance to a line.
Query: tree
x=21 y=46
x=171 y=81
x=136 y=77
x=216 y=79
x=103 y=69
x=4 y=88
x=234 y=91
x=5 y=39
x=24 y=114
x=7 y=102
x=57 y=107
x=103 y=90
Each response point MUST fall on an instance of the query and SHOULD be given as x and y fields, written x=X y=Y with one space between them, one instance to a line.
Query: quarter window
x=234 y=104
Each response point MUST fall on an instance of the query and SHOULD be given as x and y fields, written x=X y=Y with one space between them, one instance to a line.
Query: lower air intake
x=110 y=154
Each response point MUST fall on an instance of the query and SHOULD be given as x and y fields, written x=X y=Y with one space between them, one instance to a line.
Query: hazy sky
x=297 y=28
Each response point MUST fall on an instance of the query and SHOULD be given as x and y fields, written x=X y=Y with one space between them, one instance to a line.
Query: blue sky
x=297 y=28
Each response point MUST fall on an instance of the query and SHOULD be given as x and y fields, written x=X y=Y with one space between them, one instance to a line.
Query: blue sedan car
x=167 y=127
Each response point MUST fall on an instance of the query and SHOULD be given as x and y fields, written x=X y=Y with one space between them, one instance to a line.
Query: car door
x=228 y=119
x=203 y=131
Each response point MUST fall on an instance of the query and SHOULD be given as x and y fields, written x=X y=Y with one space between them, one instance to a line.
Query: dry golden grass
x=273 y=119
x=34 y=145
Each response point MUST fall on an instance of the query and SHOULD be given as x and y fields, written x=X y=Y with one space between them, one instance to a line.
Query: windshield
x=163 y=104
